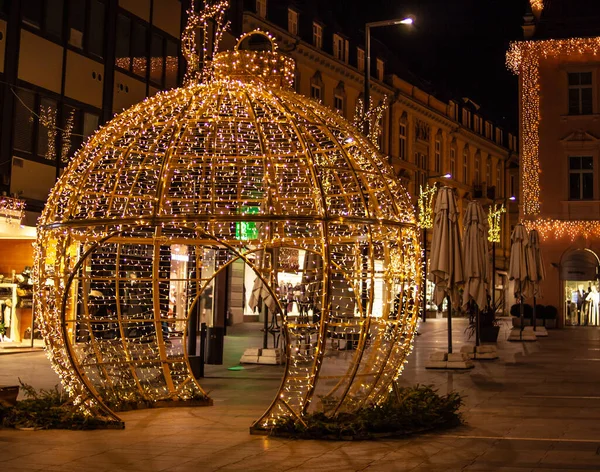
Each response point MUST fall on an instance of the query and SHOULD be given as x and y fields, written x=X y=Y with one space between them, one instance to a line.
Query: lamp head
x=512 y=199
x=447 y=176
x=409 y=20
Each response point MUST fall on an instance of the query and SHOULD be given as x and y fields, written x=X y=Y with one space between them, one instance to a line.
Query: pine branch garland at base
x=412 y=410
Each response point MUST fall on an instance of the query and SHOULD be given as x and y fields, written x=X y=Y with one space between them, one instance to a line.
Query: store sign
x=247 y=230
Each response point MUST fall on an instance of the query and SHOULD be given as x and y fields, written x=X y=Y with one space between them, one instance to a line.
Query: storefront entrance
x=579 y=272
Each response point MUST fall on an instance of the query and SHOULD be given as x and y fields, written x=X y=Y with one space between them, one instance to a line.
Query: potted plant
x=515 y=312
x=2 y=331
x=550 y=315
x=489 y=325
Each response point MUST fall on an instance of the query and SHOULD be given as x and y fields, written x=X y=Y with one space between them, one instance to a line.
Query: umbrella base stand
x=527 y=335
x=480 y=353
x=452 y=361
x=541 y=332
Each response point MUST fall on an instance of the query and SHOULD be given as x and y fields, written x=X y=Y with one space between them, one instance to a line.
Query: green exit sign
x=246 y=230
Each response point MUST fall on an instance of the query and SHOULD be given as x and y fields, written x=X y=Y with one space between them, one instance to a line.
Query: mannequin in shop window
x=593 y=299
x=580 y=300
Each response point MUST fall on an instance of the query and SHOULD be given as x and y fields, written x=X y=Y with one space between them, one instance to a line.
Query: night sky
x=456 y=46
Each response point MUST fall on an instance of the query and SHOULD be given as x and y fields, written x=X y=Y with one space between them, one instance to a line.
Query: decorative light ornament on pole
x=495 y=227
x=172 y=176
x=409 y=20
x=425 y=202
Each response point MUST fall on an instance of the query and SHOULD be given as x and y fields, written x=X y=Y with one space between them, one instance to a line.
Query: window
x=95 y=39
x=402 y=152
x=316 y=86
x=23 y=122
x=315 y=91
x=477 y=124
x=157 y=58
x=340 y=48
x=81 y=124
x=423 y=161
x=488 y=130
x=76 y=23
x=438 y=156
x=466 y=118
x=499 y=136
x=171 y=64
x=46 y=131
x=134 y=47
x=380 y=69
x=87 y=35
x=338 y=103
x=581 y=178
x=261 y=8
x=53 y=20
x=512 y=186
x=122 y=51
x=317 y=35
x=580 y=93
x=139 y=49
x=90 y=124
x=477 y=180
x=466 y=165
x=453 y=163
x=499 y=180
x=488 y=171
x=292 y=21
x=360 y=59
x=32 y=13
x=46 y=15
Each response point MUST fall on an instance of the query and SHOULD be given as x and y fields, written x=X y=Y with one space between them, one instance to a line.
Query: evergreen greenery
x=49 y=409
x=410 y=410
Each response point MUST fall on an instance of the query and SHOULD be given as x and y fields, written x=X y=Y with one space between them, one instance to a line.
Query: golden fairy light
x=494 y=220
x=426 y=197
x=162 y=200
x=559 y=229
x=523 y=58
x=537 y=5
x=374 y=117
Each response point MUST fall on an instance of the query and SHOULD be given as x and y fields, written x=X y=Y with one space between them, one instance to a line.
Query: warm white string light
x=177 y=175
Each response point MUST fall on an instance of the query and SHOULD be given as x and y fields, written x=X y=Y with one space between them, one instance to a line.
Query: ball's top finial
x=251 y=62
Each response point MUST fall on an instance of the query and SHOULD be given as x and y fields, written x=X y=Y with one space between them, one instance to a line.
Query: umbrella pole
x=266 y=328
x=534 y=322
x=477 y=326
x=522 y=322
x=449 y=326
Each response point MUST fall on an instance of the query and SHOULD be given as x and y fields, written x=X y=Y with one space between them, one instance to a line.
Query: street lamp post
x=368 y=26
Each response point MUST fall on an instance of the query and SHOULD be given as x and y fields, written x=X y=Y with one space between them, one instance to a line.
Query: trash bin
x=214 y=354
x=197 y=365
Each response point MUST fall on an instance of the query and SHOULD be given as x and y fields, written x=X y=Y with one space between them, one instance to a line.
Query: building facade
x=424 y=136
x=559 y=93
x=67 y=66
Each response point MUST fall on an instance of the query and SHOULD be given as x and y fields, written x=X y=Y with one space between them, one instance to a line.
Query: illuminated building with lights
x=557 y=65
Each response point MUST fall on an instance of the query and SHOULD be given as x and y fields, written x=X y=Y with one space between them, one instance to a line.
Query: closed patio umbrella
x=446 y=265
x=535 y=267
x=261 y=292
x=518 y=271
x=476 y=264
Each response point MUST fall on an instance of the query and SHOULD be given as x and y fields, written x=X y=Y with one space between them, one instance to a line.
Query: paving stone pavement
x=537 y=408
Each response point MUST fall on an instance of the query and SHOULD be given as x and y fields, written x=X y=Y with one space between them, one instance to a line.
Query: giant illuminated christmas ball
x=140 y=230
